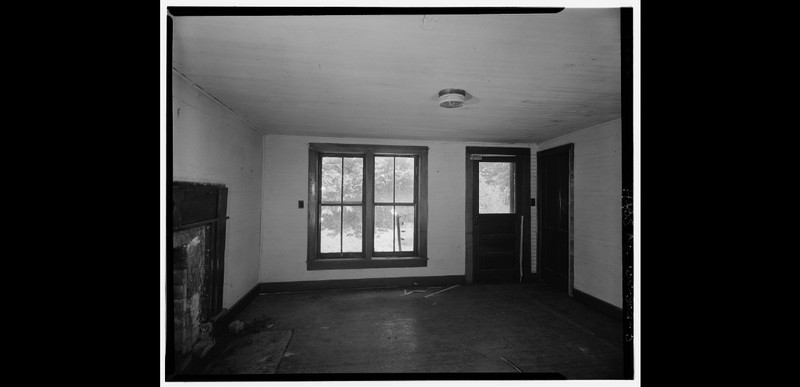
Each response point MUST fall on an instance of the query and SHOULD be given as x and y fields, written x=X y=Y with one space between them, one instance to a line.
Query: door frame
x=569 y=149
x=469 y=258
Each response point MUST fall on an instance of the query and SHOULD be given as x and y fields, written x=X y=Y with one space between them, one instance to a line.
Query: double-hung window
x=367 y=206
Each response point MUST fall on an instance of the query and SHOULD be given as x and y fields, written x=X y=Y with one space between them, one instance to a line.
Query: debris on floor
x=511 y=364
x=405 y=292
x=205 y=330
x=236 y=327
x=443 y=290
x=258 y=324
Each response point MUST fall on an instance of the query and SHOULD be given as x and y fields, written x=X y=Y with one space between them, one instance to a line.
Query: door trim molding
x=570 y=150
x=525 y=154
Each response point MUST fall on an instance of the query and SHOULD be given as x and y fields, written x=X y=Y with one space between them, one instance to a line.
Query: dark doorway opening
x=555 y=216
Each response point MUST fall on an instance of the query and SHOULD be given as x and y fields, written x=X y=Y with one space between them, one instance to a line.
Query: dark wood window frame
x=367 y=258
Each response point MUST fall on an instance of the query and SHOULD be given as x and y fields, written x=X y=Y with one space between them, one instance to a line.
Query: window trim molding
x=370 y=259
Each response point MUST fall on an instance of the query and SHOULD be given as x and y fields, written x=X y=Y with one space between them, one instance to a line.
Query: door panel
x=497 y=243
x=497 y=219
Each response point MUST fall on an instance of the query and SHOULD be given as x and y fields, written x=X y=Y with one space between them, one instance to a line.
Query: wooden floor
x=510 y=330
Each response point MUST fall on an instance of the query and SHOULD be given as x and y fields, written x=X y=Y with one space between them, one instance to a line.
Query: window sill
x=360 y=263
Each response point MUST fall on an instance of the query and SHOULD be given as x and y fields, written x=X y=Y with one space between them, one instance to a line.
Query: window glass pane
x=384 y=228
x=495 y=188
x=331 y=179
x=404 y=179
x=351 y=233
x=353 y=179
x=404 y=218
x=384 y=179
x=330 y=226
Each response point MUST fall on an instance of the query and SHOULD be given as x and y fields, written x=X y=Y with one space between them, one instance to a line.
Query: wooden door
x=498 y=208
x=554 y=181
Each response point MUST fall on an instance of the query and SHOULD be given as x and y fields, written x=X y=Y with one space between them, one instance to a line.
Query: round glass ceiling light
x=451 y=98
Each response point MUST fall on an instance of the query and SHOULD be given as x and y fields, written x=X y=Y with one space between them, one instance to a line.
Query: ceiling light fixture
x=451 y=98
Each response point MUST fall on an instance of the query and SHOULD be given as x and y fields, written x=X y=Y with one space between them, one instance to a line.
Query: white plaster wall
x=598 y=213
x=211 y=144
x=284 y=226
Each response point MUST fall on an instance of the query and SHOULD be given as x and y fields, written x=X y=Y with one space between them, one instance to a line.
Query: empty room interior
x=391 y=194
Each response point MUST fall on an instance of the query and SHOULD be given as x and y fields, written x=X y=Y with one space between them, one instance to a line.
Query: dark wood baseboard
x=305 y=286
x=597 y=304
x=230 y=314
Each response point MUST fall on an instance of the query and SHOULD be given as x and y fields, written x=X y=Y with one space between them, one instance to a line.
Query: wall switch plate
x=299 y=204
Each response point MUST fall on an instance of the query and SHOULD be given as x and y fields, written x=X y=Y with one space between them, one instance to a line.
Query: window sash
x=397 y=253
x=341 y=253
x=341 y=204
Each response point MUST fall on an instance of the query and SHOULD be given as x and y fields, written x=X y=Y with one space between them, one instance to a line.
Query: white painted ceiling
x=532 y=77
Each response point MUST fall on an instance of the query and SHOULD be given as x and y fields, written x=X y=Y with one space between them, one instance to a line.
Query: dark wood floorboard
x=465 y=329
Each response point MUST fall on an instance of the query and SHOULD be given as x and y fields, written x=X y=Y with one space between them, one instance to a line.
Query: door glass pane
x=384 y=179
x=404 y=179
x=384 y=228
x=351 y=229
x=330 y=226
x=496 y=187
x=353 y=178
x=404 y=218
x=331 y=179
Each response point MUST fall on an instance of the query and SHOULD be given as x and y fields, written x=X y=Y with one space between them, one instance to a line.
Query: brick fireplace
x=196 y=262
